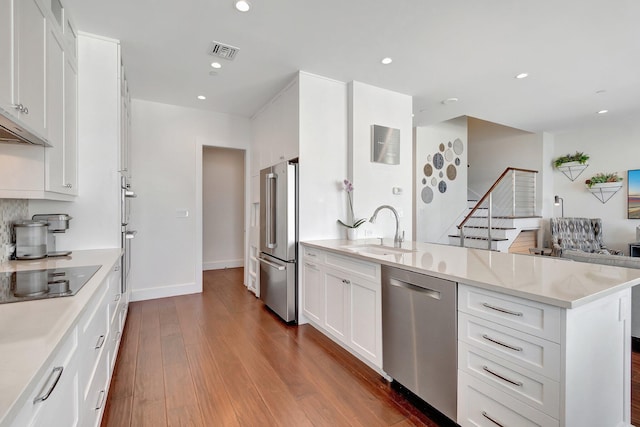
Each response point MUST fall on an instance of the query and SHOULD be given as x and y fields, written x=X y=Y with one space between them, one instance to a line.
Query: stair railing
x=515 y=194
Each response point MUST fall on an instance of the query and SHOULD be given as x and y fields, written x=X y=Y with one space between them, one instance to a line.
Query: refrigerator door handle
x=271 y=264
x=270 y=235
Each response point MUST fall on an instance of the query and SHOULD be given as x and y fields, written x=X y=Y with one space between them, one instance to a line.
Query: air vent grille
x=223 y=51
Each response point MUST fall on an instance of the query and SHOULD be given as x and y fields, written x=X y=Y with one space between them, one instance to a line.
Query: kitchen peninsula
x=540 y=340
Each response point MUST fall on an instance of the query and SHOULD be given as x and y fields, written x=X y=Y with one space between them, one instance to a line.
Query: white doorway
x=223 y=208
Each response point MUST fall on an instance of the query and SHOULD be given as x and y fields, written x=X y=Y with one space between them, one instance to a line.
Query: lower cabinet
x=341 y=297
x=73 y=389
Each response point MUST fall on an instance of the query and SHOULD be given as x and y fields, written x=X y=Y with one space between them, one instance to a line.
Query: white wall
x=323 y=156
x=373 y=182
x=166 y=161
x=223 y=188
x=434 y=220
x=613 y=147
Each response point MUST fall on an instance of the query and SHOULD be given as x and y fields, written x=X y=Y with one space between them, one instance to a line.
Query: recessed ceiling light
x=449 y=101
x=216 y=65
x=202 y=97
x=603 y=111
x=243 y=5
x=386 y=61
x=522 y=75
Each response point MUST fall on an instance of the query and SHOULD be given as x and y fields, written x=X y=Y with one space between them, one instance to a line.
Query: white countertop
x=545 y=279
x=32 y=330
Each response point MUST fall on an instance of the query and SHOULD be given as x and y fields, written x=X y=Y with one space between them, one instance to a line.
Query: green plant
x=601 y=178
x=576 y=157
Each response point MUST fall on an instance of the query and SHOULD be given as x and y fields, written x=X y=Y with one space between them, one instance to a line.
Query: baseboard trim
x=635 y=344
x=220 y=265
x=164 y=291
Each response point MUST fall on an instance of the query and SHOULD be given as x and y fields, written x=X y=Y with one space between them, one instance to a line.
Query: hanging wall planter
x=572 y=165
x=604 y=186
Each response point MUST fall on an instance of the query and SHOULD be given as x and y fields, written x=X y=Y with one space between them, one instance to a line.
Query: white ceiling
x=468 y=49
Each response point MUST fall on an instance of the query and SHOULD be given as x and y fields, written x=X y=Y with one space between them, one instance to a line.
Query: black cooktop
x=42 y=284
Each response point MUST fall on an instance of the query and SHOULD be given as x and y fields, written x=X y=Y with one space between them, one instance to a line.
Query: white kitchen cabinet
x=40 y=79
x=313 y=299
x=60 y=159
x=341 y=296
x=54 y=400
x=29 y=61
x=522 y=362
x=125 y=124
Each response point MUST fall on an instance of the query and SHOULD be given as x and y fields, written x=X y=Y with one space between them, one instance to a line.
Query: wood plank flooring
x=220 y=358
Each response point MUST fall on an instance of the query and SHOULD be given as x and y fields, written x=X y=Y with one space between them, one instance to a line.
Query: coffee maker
x=56 y=224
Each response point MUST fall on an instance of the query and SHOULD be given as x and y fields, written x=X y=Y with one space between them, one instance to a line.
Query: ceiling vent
x=223 y=51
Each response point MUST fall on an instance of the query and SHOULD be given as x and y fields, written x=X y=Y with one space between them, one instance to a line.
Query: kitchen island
x=42 y=345
x=566 y=326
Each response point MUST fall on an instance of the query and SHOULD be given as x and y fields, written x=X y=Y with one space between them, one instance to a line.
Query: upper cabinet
x=38 y=86
x=29 y=50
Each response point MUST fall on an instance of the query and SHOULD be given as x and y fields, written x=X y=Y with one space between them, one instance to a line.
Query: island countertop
x=555 y=281
x=33 y=330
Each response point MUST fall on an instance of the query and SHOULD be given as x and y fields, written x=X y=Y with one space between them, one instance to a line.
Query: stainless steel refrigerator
x=279 y=239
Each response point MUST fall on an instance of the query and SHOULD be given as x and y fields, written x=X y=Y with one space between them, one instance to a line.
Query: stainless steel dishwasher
x=419 y=336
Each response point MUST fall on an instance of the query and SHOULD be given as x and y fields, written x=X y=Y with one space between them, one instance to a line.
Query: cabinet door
x=70 y=127
x=312 y=292
x=364 y=316
x=6 y=47
x=54 y=155
x=30 y=70
x=336 y=317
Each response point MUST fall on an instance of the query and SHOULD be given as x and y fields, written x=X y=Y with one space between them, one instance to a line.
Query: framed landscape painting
x=633 y=181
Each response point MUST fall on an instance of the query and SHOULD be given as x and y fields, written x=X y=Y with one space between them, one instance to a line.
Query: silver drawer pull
x=502 y=310
x=100 y=342
x=311 y=265
x=346 y=282
x=495 y=374
x=310 y=254
x=117 y=297
x=495 y=341
x=484 y=414
x=100 y=400
x=53 y=379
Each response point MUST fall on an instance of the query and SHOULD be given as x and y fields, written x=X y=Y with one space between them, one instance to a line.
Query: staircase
x=501 y=214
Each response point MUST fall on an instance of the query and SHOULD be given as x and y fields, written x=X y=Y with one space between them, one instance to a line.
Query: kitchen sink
x=373 y=249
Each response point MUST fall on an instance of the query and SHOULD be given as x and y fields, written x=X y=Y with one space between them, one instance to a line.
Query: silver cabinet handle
x=100 y=401
x=68 y=186
x=315 y=267
x=19 y=107
x=484 y=414
x=346 y=282
x=25 y=110
x=502 y=310
x=52 y=382
x=117 y=298
x=310 y=254
x=495 y=341
x=502 y=377
x=100 y=342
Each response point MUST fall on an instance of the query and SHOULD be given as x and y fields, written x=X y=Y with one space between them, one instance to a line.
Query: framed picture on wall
x=633 y=194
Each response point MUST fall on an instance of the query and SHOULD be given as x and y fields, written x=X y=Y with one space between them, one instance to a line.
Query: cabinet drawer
x=365 y=269
x=534 y=318
x=54 y=396
x=533 y=353
x=481 y=405
x=529 y=387
x=96 y=397
x=93 y=337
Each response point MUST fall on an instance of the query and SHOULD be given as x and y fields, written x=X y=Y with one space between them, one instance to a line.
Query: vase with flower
x=352 y=223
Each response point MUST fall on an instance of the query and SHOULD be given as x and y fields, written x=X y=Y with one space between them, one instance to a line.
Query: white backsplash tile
x=11 y=210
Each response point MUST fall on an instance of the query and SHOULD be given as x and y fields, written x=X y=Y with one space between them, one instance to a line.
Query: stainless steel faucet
x=397 y=240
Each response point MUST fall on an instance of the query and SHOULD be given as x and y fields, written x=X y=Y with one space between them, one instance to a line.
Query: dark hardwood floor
x=220 y=358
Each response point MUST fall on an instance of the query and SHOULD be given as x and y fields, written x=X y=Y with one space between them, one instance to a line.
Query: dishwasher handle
x=401 y=284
